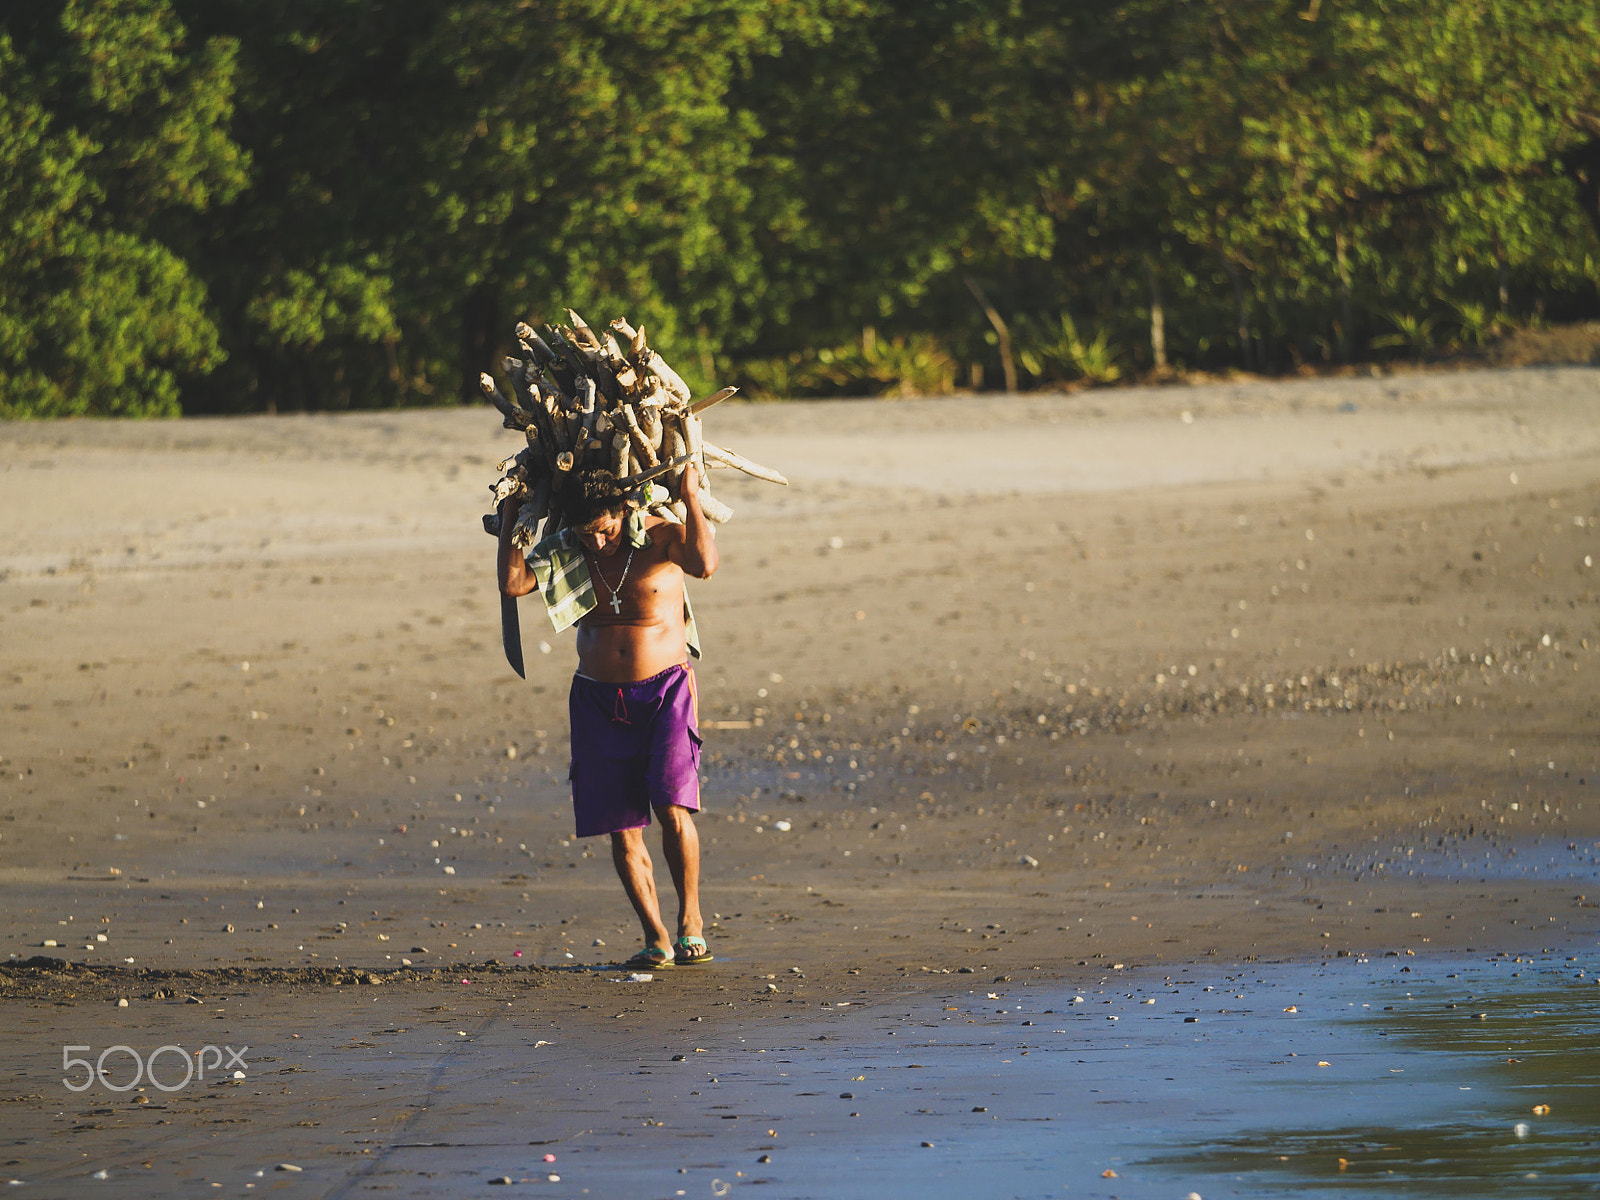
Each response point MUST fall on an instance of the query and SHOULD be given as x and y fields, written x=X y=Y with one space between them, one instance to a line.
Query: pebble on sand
x=289 y=1167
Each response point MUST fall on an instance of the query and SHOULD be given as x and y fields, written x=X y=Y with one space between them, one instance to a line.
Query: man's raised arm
x=697 y=553
x=515 y=578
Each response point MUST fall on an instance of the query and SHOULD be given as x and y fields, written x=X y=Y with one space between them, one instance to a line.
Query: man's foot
x=652 y=958
x=691 y=951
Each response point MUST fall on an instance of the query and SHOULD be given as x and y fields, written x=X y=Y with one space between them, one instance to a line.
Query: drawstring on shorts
x=619 y=710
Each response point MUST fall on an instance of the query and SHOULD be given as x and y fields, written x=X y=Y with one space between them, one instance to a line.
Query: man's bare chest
x=638 y=582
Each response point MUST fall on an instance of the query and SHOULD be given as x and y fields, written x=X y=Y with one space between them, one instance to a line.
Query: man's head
x=593 y=505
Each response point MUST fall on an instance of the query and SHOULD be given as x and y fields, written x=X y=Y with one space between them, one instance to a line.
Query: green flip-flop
x=691 y=951
x=652 y=958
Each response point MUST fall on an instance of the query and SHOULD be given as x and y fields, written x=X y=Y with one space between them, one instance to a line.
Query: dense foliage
x=228 y=205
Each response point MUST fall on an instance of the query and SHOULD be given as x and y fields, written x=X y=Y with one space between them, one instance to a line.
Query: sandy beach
x=1001 y=695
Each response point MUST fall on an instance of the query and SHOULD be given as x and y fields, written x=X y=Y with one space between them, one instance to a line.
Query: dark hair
x=586 y=496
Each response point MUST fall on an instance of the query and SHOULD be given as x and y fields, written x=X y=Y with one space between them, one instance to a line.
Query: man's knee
x=627 y=841
x=675 y=817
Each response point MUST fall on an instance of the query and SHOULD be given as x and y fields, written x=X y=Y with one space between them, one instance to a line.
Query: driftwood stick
x=672 y=446
x=528 y=397
x=537 y=347
x=517 y=371
x=643 y=450
x=670 y=379
x=715 y=510
x=699 y=406
x=557 y=519
x=650 y=423
x=545 y=380
x=534 y=509
x=738 y=461
x=510 y=485
x=591 y=415
x=653 y=473
x=692 y=442
x=568 y=354
x=515 y=418
x=585 y=336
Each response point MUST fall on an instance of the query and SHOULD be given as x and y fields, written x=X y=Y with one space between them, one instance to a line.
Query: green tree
x=1356 y=154
x=109 y=140
x=427 y=173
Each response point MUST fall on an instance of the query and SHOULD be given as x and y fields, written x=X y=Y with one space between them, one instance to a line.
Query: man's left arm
x=695 y=550
x=511 y=564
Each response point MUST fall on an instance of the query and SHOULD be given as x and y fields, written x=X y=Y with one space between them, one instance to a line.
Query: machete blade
x=511 y=634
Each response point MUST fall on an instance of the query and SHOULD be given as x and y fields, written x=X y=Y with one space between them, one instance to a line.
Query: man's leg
x=635 y=870
x=680 y=841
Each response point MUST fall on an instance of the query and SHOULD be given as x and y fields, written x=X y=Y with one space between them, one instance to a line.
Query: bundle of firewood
x=609 y=401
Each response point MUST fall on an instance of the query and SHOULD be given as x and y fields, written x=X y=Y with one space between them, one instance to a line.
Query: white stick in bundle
x=586 y=337
x=650 y=423
x=534 y=509
x=620 y=444
x=642 y=449
x=670 y=379
x=691 y=441
x=715 y=510
x=672 y=446
x=739 y=462
x=699 y=406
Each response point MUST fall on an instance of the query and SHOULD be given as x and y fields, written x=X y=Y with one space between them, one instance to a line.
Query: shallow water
x=1406 y=1076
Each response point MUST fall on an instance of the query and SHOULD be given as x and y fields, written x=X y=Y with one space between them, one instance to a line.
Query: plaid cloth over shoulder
x=562 y=569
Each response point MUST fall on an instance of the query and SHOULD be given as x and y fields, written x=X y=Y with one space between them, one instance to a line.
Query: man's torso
x=636 y=630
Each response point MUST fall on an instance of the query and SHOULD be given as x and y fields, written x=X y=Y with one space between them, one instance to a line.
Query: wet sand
x=1139 y=681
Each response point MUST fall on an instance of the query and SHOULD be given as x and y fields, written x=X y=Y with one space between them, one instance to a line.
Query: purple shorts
x=635 y=746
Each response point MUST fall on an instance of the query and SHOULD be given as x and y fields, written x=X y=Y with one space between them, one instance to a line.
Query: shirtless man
x=634 y=708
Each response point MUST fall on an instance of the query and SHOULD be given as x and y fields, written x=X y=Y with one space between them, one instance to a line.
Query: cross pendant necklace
x=616 y=603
